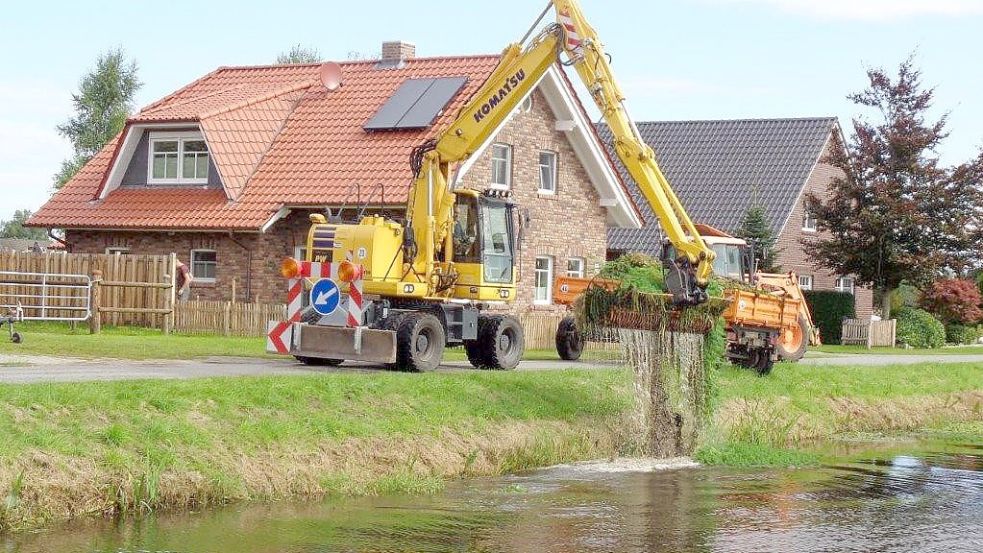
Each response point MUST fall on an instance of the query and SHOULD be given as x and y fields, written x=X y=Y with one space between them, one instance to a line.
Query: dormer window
x=177 y=158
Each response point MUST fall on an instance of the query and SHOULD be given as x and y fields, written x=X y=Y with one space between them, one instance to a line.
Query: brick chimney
x=396 y=51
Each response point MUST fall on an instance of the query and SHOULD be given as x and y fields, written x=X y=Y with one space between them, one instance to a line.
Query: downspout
x=249 y=266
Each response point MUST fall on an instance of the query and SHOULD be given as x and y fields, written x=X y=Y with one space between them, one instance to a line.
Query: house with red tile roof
x=225 y=171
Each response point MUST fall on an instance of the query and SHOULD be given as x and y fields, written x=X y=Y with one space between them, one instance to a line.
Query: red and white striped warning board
x=573 y=40
x=280 y=333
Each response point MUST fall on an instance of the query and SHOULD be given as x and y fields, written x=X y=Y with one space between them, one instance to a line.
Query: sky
x=675 y=59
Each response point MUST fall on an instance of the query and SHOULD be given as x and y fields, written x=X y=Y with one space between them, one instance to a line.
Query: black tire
x=788 y=354
x=765 y=363
x=569 y=340
x=753 y=358
x=16 y=338
x=319 y=361
x=476 y=353
x=502 y=342
x=420 y=342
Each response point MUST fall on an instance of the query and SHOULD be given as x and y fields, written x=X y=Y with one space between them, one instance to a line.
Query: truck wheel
x=420 y=342
x=319 y=361
x=569 y=341
x=501 y=341
x=793 y=342
x=16 y=338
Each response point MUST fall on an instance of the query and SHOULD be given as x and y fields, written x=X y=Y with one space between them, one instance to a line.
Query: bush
x=962 y=334
x=829 y=308
x=953 y=300
x=919 y=329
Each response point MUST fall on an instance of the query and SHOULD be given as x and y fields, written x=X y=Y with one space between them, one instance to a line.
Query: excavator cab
x=484 y=245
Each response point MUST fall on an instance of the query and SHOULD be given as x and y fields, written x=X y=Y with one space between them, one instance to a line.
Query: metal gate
x=46 y=296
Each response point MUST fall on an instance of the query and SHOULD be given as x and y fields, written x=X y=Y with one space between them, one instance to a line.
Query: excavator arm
x=431 y=204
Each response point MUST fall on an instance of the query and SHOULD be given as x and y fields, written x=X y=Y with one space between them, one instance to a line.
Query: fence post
x=95 y=300
x=227 y=318
x=170 y=277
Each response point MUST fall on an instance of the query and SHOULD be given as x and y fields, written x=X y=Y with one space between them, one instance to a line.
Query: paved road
x=26 y=369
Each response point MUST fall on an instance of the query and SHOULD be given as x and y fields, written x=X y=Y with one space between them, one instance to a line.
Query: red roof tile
x=277 y=138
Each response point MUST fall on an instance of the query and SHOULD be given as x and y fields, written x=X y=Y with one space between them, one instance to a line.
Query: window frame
x=509 y=157
x=550 y=267
x=120 y=250
x=841 y=288
x=811 y=279
x=583 y=267
x=179 y=137
x=191 y=265
x=556 y=172
x=808 y=217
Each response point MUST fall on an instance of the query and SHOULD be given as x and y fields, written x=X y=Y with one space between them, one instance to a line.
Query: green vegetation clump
x=829 y=308
x=919 y=329
x=962 y=334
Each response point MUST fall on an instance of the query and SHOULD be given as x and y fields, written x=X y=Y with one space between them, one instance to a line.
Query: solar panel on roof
x=415 y=104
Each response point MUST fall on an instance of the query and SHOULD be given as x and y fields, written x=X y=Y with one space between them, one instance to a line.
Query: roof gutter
x=280 y=214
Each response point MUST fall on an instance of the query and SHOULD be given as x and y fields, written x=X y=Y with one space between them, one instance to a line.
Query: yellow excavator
x=427 y=281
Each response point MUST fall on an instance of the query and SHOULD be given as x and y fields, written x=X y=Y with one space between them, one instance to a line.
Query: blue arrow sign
x=325 y=296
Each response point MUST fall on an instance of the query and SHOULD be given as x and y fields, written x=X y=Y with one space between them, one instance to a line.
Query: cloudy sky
x=676 y=59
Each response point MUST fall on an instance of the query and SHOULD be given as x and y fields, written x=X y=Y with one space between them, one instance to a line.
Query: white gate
x=45 y=296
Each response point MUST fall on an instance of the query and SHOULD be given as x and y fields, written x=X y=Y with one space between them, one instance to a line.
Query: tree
x=953 y=300
x=756 y=230
x=299 y=53
x=895 y=214
x=102 y=105
x=14 y=228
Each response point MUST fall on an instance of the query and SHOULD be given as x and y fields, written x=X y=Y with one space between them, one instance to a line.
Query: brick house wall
x=568 y=224
x=792 y=256
x=563 y=226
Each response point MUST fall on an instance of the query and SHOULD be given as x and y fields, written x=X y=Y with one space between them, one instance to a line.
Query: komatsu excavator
x=427 y=281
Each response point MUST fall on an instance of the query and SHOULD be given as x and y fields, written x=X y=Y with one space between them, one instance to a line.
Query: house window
x=543 y=292
x=117 y=250
x=177 y=158
x=844 y=284
x=575 y=267
x=805 y=282
x=300 y=253
x=526 y=105
x=547 y=172
x=809 y=222
x=501 y=176
x=203 y=265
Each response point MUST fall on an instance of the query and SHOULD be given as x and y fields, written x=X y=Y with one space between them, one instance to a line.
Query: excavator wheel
x=420 y=342
x=500 y=343
x=569 y=341
x=793 y=342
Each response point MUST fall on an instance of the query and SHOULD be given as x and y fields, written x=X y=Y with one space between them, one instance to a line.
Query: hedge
x=919 y=329
x=962 y=334
x=829 y=309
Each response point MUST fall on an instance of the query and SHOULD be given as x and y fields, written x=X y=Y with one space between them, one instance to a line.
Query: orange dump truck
x=770 y=323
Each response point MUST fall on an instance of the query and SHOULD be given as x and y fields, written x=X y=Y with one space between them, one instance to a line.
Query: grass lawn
x=951 y=350
x=790 y=417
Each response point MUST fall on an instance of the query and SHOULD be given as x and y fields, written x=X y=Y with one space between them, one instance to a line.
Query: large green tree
x=14 y=228
x=102 y=104
x=756 y=230
x=896 y=214
x=299 y=53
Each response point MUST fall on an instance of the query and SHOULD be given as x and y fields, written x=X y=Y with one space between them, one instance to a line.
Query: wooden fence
x=869 y=333
x=225 y=317
x=137 y=289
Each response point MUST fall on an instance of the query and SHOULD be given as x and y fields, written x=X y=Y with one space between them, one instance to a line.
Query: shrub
x=919 y=329
x=953 y=300
x=829 y=308
x=962 y=334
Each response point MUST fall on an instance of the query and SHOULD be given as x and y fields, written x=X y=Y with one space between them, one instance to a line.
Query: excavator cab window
x=729 y=261
x=497 y=244
x=466 y=246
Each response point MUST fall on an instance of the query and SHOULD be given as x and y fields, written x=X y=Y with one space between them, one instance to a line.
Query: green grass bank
x=106 y=448
x=796 y=415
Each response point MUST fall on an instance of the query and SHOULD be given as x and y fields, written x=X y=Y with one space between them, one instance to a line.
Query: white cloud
x=871 y=9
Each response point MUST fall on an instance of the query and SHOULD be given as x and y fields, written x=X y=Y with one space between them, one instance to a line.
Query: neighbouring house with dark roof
x=225 y=171
x=719 y=169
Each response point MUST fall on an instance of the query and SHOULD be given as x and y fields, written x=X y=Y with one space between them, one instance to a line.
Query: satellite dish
x=331 y=76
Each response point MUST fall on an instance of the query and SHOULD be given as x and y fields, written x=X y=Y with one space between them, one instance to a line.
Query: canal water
x=926 y=501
